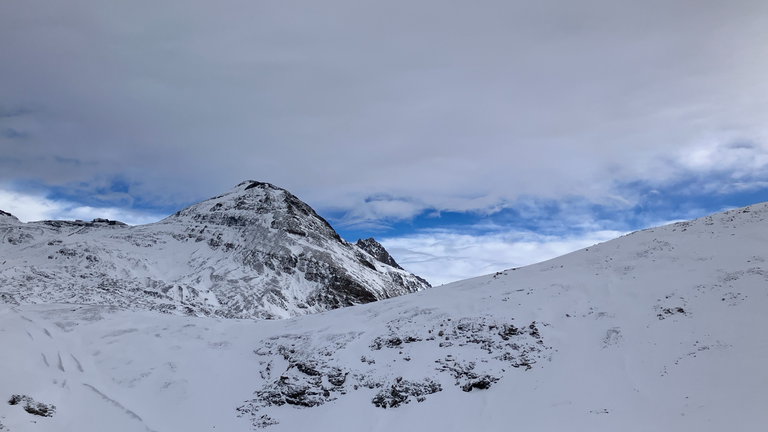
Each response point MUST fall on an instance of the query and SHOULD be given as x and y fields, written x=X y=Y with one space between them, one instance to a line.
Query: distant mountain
x=255 y=251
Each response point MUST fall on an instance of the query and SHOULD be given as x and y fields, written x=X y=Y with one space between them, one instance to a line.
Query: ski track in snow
x=61 y=364
x=77 y=362
x=117 y=404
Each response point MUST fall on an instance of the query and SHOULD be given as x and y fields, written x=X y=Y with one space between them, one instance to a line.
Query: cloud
x=714 y=168
x=738 y=159
x=12 y=133
x=443 y=256
x=446 y=105
x=28 y=207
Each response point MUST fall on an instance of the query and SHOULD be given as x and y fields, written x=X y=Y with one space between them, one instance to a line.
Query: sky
x=468 y=137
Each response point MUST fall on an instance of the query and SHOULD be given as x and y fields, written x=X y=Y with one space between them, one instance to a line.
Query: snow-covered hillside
x=256 y=251
x=659 y=330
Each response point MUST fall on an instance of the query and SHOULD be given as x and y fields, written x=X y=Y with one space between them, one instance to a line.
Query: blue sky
x=450 y=245
x=468 y=138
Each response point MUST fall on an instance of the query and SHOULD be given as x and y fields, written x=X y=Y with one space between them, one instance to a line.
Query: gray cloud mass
x=446 y=105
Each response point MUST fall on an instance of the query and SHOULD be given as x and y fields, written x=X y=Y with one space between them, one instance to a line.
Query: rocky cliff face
x=256 y=251
x=377 y=251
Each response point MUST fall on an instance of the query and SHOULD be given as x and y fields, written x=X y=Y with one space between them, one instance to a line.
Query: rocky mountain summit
x=256 y=251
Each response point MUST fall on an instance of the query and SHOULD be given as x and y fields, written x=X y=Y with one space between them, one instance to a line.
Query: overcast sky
x=469 y=136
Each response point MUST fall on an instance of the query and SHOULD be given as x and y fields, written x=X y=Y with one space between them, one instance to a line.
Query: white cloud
x=713 y=167
x=454 y=106
x=29 y=207
x=442 y=256
x=741 y=158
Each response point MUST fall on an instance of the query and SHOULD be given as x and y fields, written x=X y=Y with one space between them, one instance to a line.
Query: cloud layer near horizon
x=29 y=208
x=381 y=110
x=444 y=256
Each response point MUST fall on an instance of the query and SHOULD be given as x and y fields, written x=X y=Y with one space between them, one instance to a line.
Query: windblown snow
x=659 y=330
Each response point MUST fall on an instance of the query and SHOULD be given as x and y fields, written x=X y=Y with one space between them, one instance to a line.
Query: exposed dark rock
x=376 y=250
x=306 y=370
x=315 y=375
x=255 y=184
x=392 y=342
x=33 y=407
x=480 y=383
x=264 y=421
x=507 y=330
x=302 y=384
x=665 y=312
x=108 y=222
x=401 y=391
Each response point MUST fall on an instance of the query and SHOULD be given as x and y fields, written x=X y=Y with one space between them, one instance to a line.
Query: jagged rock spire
x=377 y=251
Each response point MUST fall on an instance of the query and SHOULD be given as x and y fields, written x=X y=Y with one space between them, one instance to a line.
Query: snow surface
x=659 y=330
x=255 y=251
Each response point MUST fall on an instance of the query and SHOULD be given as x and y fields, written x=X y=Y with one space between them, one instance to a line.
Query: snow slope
x=659 y=330
x=256 y=251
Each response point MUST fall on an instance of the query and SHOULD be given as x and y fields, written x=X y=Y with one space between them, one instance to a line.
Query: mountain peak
x=252 y=203
x=251 y=184
x=256 y=251
x=376 y=250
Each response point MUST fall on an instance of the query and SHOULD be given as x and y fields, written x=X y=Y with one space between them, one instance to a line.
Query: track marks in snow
x=171 y=366
x=117 y=404
x=130 y=383
x=61 y=364
x=45 y=330
x=119 y=333
x=45 y=360
x=178 y=388
x=77 y=362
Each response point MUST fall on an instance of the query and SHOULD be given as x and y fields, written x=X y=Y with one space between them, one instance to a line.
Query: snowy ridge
x=8 y=218
x=660 y=330
x=256 y=251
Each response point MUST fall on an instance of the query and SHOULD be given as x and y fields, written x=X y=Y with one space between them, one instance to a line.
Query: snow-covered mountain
x=659 y=330
x=256 y=251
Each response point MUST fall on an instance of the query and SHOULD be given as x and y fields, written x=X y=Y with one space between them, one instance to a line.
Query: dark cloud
x=12 y=133
x=742 y=145
x=448 y=104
